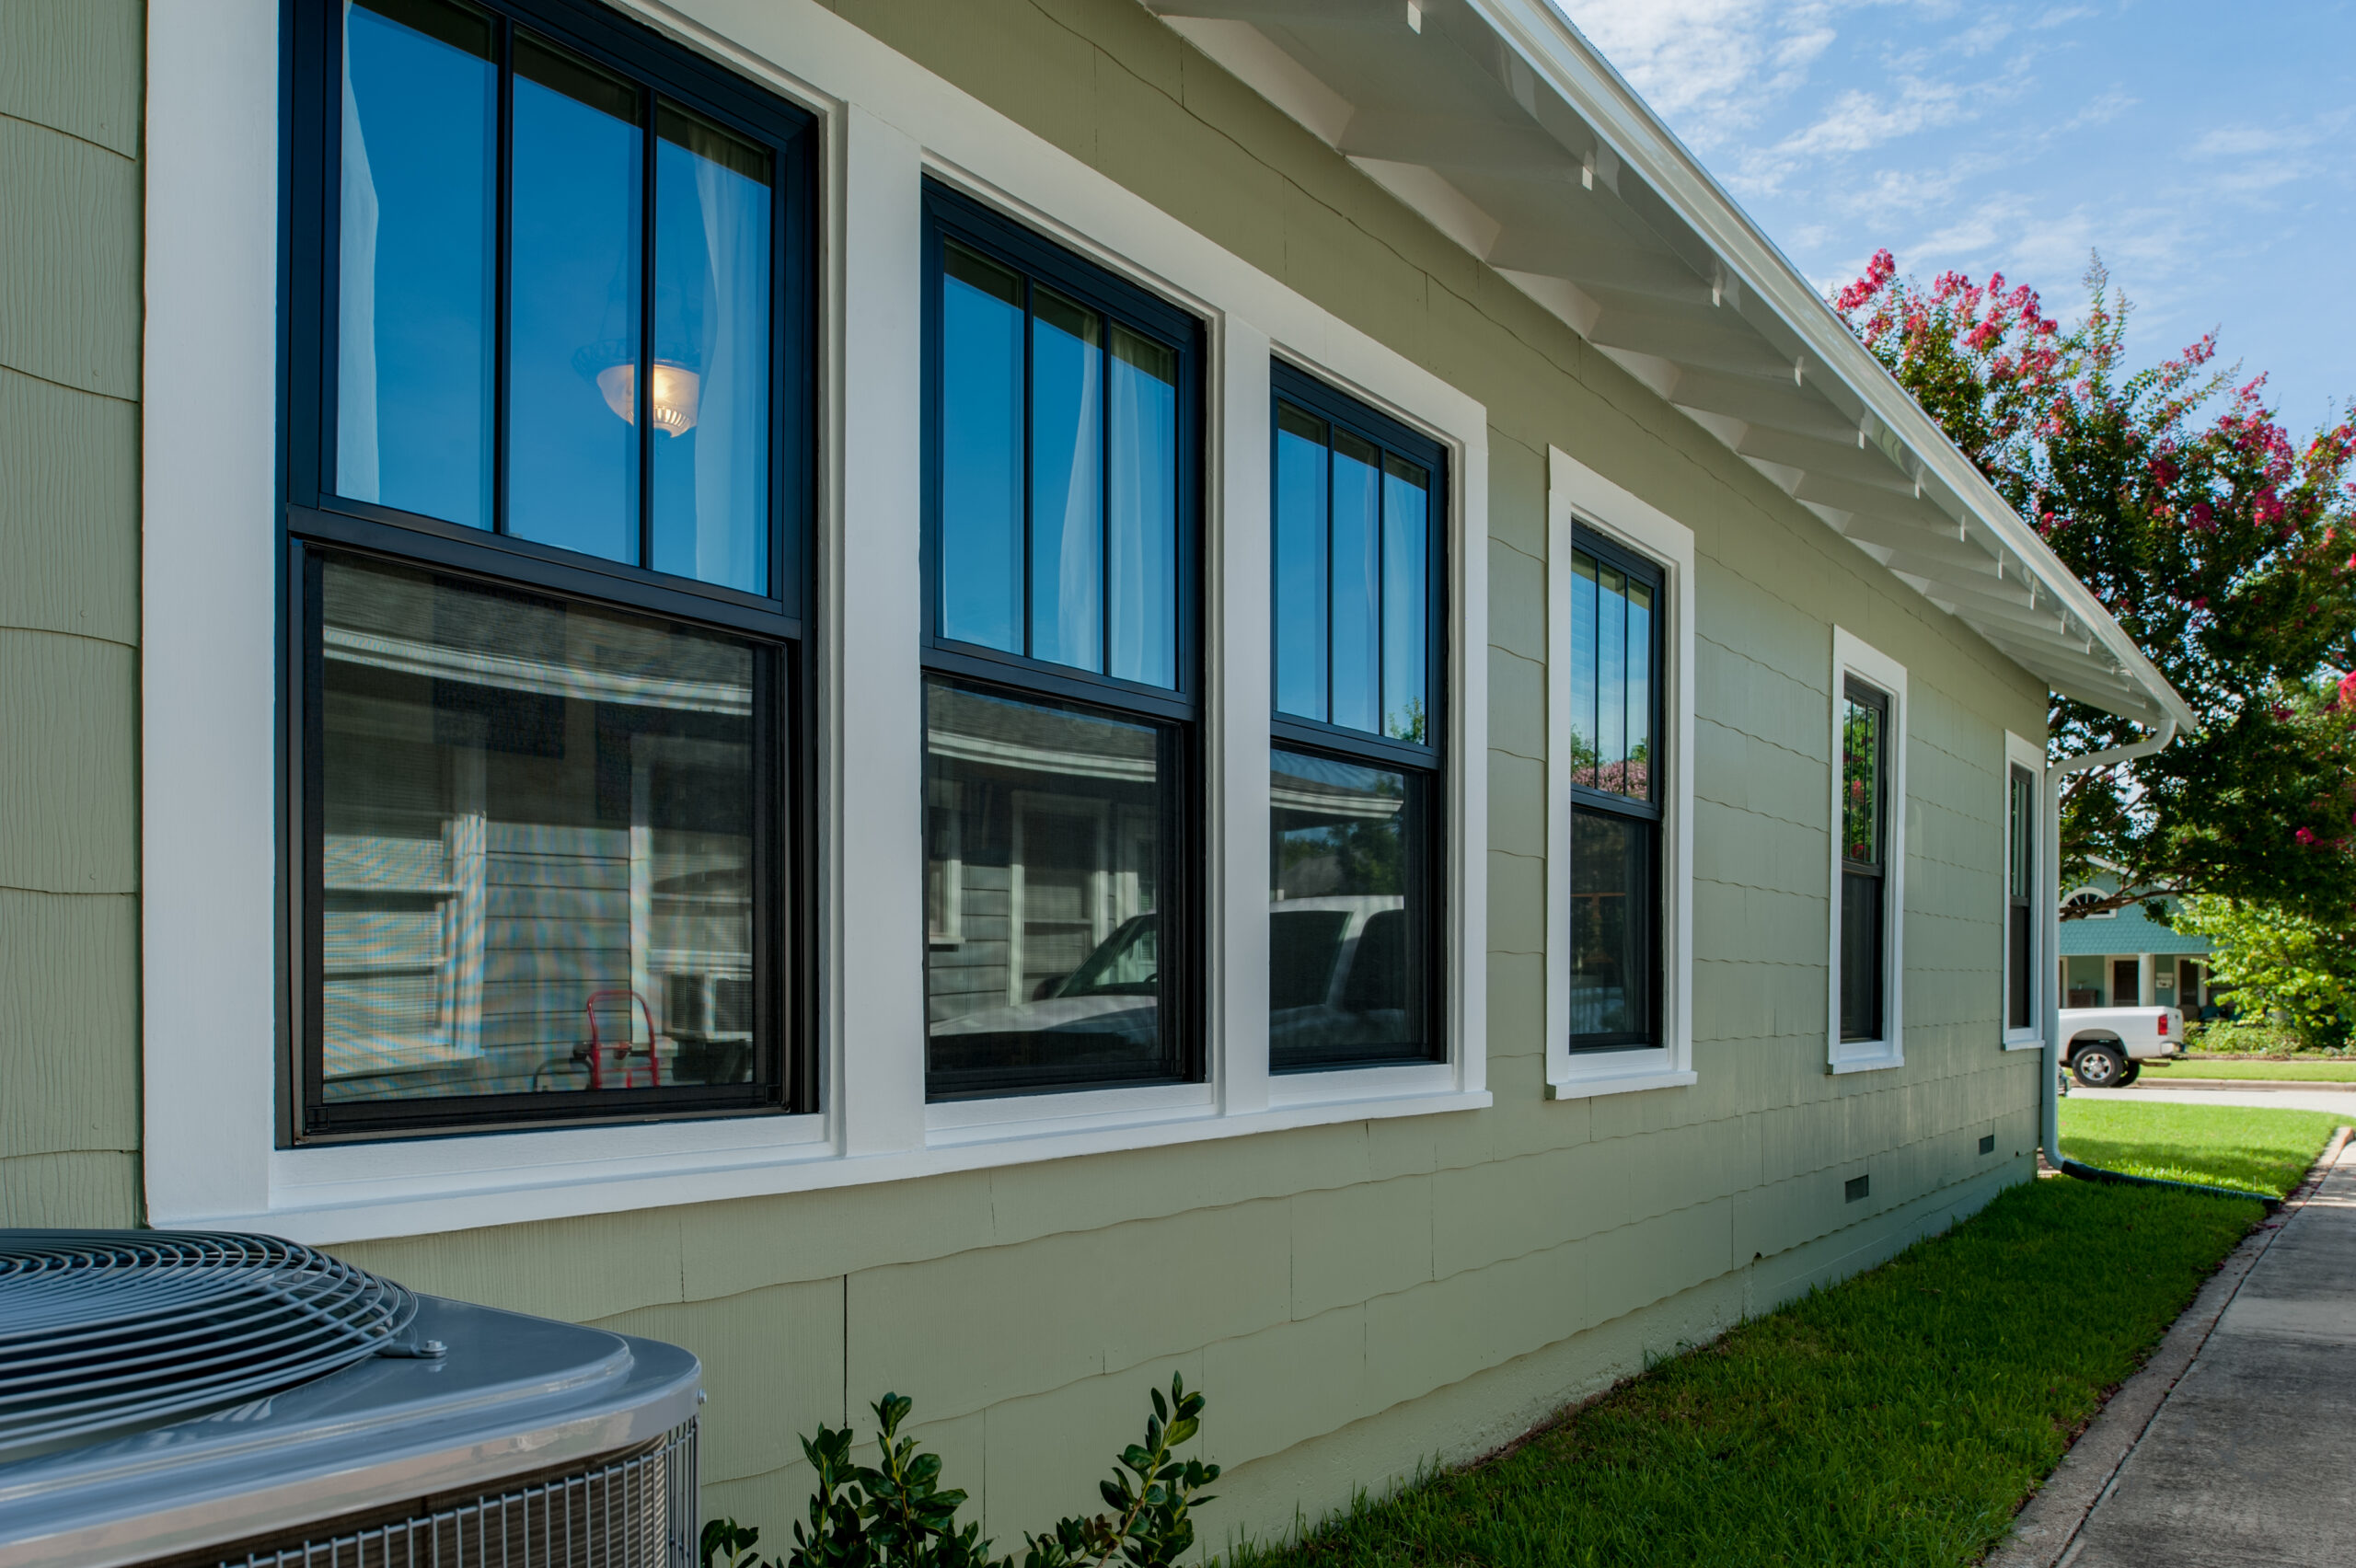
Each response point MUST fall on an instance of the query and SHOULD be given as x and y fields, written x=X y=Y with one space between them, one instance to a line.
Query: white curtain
x=355 y=426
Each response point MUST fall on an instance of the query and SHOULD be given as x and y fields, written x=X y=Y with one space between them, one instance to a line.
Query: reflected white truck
x=2106 y=1047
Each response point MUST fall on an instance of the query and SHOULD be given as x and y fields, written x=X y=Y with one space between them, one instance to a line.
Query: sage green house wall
x=1358 y=1298
x=70 y=85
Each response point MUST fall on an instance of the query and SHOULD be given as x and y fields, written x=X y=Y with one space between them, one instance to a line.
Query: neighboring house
x=2124 y=958
x=1236 y=689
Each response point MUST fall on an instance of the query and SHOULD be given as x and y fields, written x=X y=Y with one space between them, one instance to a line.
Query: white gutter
x=2049 y=1126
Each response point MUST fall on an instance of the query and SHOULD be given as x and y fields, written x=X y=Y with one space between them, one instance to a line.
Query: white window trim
x=2020 y=752
x=1574 y=491
x=209 y=710
x=1852 y=655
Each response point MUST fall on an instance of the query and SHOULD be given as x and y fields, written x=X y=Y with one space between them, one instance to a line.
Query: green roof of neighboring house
x=2129 y=930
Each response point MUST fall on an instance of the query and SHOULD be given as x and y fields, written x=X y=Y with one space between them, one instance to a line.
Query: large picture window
x=1617 y=772
x=548 y=503
x=1357 y=630
x=1063 y=940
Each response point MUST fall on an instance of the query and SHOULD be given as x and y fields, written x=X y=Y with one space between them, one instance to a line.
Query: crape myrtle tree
x=2227 y=551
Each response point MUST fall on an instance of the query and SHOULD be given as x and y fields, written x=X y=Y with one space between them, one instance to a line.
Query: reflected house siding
x=560 y=930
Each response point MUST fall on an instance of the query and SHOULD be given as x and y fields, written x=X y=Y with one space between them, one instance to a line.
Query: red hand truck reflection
x=603 y=1057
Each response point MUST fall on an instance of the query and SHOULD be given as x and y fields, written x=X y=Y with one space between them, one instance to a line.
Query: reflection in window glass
x=573 y=306
x=981 y=451
x=1613 y=878
x=1614 y=659
x=1066 y=485
x=1864 y=898
x=1141 y=534
x=1300 y=579
x=1406 y=593
x=1350 y=919
x=2020 y=819
x=711 y=353
x=1356 y=546
x=535 y=832
x=414 y=384
x=1058 y=816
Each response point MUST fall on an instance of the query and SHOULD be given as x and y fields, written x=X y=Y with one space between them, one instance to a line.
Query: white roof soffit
x=1503 y=127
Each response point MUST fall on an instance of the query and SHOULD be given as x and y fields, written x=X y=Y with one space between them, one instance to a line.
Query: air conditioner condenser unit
x=186 y=1400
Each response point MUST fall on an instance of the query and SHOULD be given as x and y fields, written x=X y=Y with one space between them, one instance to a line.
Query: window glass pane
x=981 y=451
x=1357 y=583
x=1141 y=534
x=711 y=353
x=1636 y=776
x=537 y=823
x=2020 y=944
x=1861 y=782
x=1612 y=930
x=1583 y=656
x=1301 y=579
x=1406 y=583
x=1611 y=678
x=1067 y=486
x=416 y=280
x=573 y=303
x=1861 y=954
x=2023 y=826
x=1053 y=971
x=1349 y=925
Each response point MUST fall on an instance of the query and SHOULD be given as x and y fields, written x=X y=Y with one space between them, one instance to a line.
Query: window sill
x=1587 y=1076
x=2036 y=1045
x=419 y=1186
x=1866 y=1056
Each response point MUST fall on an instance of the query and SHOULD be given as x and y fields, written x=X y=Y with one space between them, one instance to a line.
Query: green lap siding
x=70 y=85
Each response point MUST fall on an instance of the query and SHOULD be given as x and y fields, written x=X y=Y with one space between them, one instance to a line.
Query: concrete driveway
x=2154 y=1085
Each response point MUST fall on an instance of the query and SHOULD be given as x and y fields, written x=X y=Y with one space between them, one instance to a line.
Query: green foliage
x=897 y=1514
x=2277 y=961
x=2221 y=546
x=2243 y=1037
x=1898 y=1418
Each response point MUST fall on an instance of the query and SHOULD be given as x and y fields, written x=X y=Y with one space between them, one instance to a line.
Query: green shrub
x=895 y=1515
x=2226 y=1037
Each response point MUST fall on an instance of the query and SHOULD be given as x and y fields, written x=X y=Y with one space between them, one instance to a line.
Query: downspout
x=2049 y=829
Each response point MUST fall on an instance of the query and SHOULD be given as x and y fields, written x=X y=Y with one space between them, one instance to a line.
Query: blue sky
x=2203 y=149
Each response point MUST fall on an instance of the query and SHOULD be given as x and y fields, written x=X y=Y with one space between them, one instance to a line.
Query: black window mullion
x=503 y=280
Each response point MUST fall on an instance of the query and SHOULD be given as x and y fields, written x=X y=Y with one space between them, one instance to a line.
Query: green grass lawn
x=2230 y=1067
x=2225 y=1146
x=1896 y=1419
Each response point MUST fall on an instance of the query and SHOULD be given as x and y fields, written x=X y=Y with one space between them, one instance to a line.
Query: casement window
x=548 y=506
x=1619 y=789
x=1359 y=632
x=2024 y=925
x=1062 y=692
x=1868 y=855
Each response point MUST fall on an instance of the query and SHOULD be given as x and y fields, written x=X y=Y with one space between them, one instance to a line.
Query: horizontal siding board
x=69 y=1024
x=69 y=260
x=68 y=708
x=69 y=510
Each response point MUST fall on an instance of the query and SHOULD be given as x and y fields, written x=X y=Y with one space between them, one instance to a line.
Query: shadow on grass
x=1897 y=1418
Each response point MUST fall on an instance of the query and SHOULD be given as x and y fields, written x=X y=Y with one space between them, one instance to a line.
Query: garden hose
x=2094 y=1173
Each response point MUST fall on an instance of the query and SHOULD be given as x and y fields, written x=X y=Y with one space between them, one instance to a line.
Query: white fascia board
x=1545 y=39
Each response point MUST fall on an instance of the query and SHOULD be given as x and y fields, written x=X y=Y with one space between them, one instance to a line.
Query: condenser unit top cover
x=507 y=1396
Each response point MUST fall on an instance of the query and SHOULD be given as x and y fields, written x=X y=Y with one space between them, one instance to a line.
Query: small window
x=2020 y=890
x=548 y=515
x=1354 y=935
x=1865 y=773
x=1061 y=704
x=1616 y=780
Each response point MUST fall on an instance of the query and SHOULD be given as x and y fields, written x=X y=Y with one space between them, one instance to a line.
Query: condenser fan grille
x=102 y=1332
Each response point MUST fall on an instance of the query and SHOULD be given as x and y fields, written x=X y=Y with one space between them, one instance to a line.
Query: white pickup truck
x=2106 y=1047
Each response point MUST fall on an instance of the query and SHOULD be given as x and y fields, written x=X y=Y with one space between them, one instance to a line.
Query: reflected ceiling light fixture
x=678 y=390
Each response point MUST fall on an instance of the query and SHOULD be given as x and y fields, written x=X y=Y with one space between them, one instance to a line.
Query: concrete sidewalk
x=2249 y=1453
x=2270 y=1095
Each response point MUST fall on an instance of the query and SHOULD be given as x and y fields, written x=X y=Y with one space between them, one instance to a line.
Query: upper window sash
x=1619 y=708
x=492 y=207
x=1358 y=575
x=1864 y=776
x=1062 y=468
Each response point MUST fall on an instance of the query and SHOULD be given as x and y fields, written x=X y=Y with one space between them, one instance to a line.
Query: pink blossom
x=2306 y=835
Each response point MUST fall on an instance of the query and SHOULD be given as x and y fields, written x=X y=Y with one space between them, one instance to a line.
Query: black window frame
x=2020 y=906
x=952 y=215
x=1856 y=689
x=1588 y=800
x=1289 y=383
x=316 y=524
